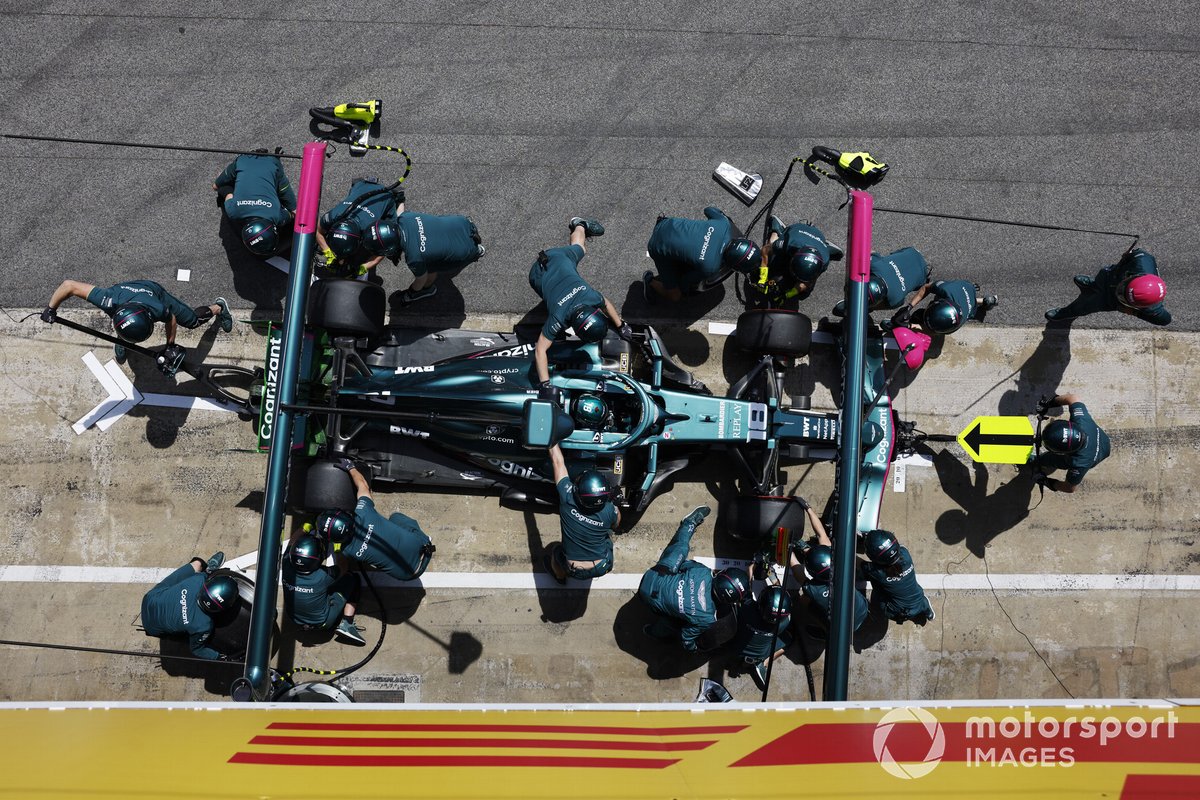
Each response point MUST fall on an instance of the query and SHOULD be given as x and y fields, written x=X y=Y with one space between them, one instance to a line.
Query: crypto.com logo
x=913 y=769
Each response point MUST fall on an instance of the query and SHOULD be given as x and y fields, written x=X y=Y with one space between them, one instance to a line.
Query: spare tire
x=755 y=519
x=347 y=307
x=317 y=486
x=776 y=332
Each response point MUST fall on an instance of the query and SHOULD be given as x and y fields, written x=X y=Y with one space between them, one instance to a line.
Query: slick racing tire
x=317 y=486
x=342 y=306
x=231 y=631
x=775 y=332
x=755 y=519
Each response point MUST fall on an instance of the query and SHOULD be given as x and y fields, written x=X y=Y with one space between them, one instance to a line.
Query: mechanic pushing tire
x=775 y=332
x=754 y=519
x=231 y=631
x=318 y=486
x=341 y=306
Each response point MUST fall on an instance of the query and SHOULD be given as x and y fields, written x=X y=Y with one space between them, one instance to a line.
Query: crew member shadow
x=447 y=309
x=1041 y=373
x=163 y=422
x=217 y=675
x=254 y=279
x=663 y=659
x=690 y=309
x=982 y=516
x=558 y=603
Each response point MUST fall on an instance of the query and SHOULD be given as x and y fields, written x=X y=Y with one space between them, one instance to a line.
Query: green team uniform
x=680 y=589
x=161 y=303
x=819 y=594
x=961 y=294
x=755 y=632
x=555 y=278
x=585 y=534
x=395 y=545
x=901 y=272
x=896 y=590
x=776 y=279
x=381 y=206
x=315 y=600
x=172 y=607
x=260 y=190
x=1095 y=450
x=438 y=243
x=687 y=252
x=1101 y=295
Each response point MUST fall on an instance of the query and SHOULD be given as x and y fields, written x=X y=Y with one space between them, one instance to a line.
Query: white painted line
x=721 y=328
x=132 y=396
x=1050 y=582
x=115 y=395
x=183 y=275
x=915 y=460
x=187 y=401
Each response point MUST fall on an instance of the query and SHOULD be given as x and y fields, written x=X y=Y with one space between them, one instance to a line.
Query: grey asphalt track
x=522 y=115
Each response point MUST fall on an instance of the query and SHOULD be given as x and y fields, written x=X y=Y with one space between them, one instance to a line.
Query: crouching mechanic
x=1131 y=286
x=313 y=597
x=432 y=245
x=815 y=575
x=686 y=594
x=796 y=256
x=587 y=517
x=893 y=278
x=692 y=255
x=187 y=600
x=395 y=545
x=570 y=301
x=1075 y=444
x=135 y=306
x=894 y=586
x=954 y=302
x=342 y=231
x=760 y=623
x=256 y=196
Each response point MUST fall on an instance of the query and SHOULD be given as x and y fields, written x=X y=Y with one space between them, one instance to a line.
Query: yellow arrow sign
x=998 y=440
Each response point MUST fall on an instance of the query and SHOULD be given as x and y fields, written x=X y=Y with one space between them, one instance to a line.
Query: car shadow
x=558 y=603
x=687 y=311
x=982 y=516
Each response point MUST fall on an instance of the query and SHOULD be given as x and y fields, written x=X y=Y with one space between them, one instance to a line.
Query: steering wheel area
x=645 y=418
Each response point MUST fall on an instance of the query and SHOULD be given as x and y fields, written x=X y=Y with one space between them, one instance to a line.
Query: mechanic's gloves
x=169 y=359
x=329 y=256
x=344 y=464
x=399 y=195
x=1043 y=405
x=625 y=332
x=546 y=391
x=803 y=503
x=697 y=516
x=49 y=315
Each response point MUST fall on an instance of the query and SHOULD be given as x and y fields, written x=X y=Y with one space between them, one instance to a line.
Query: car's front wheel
x=347 y=307
x=775 y=332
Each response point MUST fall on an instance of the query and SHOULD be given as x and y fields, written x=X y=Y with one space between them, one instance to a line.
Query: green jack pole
x=258 y=645
x=854 y=327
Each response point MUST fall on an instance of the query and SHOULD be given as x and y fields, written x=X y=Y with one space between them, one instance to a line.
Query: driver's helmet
x=876 y=293
x=219 y=594
x=260 y=237
x=592 y=490
x=589 y=323
x=589 y=411
x=383 y=239
x=742 y=255
x=819 y=563
x=132 y=322
x=308 y=551
x=943 y=317
x=807 y=264
x=882 y=547
x=1142 y=291
x=774 y=604
x=336 y=525
x=1063 y=437
x=730 y=586
x=344 y=239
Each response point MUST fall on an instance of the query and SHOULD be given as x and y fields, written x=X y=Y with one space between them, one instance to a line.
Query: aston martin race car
x=462 y=410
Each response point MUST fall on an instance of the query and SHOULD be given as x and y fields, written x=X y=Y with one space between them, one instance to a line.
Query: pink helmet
x=1143 y=291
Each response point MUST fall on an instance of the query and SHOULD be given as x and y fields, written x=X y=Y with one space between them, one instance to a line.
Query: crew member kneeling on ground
x=761 y=622
x=587 y=517
x=796 y=256
x=815 y=576
x=431 y=244
x=894 y=586
x=255 y=194
x=692 y=255
x=1076 y=444
x=314 y=598
x=187 y=600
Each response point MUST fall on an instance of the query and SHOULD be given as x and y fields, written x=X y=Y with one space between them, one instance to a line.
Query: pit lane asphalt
x=523 y=116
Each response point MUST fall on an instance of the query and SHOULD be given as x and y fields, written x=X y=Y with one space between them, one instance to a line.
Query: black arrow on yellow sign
x=976 y=438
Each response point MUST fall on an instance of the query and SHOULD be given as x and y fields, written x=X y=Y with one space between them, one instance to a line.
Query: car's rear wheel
x=755 y=519
x=775 y=332
x=317 y=486
x=341 y=306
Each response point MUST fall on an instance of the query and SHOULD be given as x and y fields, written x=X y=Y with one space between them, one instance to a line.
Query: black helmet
x=775 y=604
x=589 y=323
x=220 y=594
x=344 y=238
x=882 y=548
x=383 y=239
x=591 y=490
x=819 y=563
x=589 y=411
x=943 y=317
x=336 y=525
x=807 y=264
x=260 y=237
x=1063 y=437
x=307 y=553
x=132 y=322
x=742 y=255
x=876 y=293
x=730 y=586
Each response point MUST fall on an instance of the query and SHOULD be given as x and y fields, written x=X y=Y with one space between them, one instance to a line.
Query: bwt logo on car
x=270 y=388
x=707 y=238
x=410 y=370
